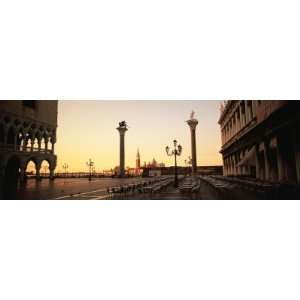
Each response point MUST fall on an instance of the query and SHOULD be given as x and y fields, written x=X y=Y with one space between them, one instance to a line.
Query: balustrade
x=19 y=148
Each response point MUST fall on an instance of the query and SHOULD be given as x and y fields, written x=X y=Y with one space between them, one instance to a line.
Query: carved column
x=257 y=162
x=193 y=124
x=25 y=143
x=39 y=144
x=32 y=144
x=52 y=176
x=38 y=170
x=280 y=163
x=23 y=166
x=266 y=159
x=122 y=131
x=53 y=141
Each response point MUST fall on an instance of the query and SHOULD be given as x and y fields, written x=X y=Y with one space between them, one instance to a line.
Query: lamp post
x=188 y=162
x=176 y=152
x=90 y=164
x=65 y=167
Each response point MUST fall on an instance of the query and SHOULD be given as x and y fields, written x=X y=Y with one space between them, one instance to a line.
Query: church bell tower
x=138 y=160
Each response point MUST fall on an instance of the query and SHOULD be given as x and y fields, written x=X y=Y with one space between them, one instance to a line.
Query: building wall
x=265 y=108
x=44 y=111
x=27 y=133
x=261 y=139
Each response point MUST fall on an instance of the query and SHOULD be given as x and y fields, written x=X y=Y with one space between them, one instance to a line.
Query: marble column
x=193 y=124
x=46 y=144
x=280 y=164
x=38 y=170
x=22 y=177
x=32 y=144
x=267 y=161
x=25 y=143
x=15 y=142
x=122 y=131
x=257 y=162
x=53 y=141
x=39 y=144
x=51 y=171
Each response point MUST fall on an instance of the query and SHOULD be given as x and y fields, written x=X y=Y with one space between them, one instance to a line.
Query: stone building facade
x=27 y=133
x=261 y=139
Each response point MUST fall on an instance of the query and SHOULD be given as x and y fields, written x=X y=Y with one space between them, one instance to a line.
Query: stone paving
x=134 y=188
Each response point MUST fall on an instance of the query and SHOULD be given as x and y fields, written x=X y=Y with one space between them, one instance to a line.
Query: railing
x=11 y=147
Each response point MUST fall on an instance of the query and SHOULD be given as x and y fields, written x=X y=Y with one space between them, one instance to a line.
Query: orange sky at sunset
x=87 y=129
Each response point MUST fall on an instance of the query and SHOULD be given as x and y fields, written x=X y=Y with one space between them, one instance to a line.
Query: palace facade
x=27 y=133
x=261 y=139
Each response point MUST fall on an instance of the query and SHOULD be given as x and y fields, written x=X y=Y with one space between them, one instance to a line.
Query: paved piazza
x=71 y=188
x=82 y=189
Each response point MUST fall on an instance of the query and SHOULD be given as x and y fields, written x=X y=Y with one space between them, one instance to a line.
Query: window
x=29 y=103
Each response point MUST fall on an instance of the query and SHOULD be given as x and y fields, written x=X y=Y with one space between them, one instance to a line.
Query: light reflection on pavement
x=71 y=188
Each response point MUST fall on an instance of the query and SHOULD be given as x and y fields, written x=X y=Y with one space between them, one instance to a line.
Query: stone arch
x=11 y=177
x=31 y=167
x=45 y=168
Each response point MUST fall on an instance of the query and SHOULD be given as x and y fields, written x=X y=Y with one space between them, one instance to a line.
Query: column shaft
x=194 y=154
x=280 y=163
x=122 y=155
x=257 y=162
x=267 y=161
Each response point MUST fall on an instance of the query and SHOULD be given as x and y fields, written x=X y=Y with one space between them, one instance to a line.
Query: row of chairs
x=190 y=185
x=159 y=186
x=125 y=190
x=222 y=189
x=265 y=189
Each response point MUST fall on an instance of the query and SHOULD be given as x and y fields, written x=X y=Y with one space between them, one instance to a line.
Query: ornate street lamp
x=176 y=152
x=90 y=164
x=65 y=167
x=188 y=162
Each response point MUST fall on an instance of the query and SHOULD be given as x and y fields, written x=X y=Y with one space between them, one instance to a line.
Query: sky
x=87 y=129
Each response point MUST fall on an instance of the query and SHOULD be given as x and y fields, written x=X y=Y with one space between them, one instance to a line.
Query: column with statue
x=122 y=130
x=192 y=122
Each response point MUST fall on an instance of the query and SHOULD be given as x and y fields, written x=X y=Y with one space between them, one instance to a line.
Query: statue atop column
x=123 y=124
x=193 y=122
x=123 y=127
x=192 y=116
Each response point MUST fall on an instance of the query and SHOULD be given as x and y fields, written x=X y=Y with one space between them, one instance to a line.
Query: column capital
x=192 y=123
x=122 y=130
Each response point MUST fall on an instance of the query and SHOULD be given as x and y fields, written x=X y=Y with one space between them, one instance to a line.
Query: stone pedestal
x=122 y=131
x=193 y=124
